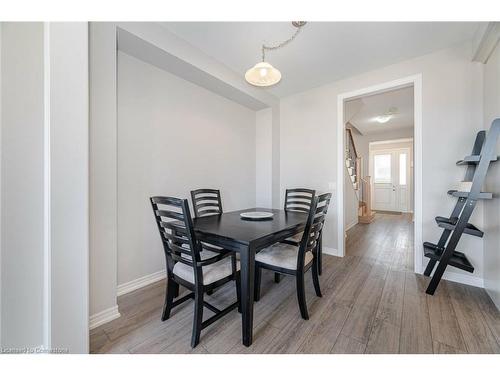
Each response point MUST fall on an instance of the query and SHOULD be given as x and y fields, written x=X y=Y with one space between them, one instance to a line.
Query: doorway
x=397 y=189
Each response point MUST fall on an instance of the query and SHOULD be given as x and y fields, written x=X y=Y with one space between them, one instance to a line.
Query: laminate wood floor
x=372 y=303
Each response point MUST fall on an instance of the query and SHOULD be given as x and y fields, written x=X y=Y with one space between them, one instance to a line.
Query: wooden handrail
x=351 y=139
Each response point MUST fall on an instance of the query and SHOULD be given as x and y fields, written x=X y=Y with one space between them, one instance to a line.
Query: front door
x=391 y=174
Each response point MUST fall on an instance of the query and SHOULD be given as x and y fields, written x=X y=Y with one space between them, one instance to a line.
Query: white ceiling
x=324 y=51
x=363 y=111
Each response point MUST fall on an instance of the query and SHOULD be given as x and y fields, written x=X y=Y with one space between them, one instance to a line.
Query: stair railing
x=352 y=159
x=366 y=196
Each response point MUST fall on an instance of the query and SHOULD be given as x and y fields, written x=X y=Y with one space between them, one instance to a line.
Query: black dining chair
x=298 y=199
x=296 y=261
x=206 y=202
x=188 y=266
x=320 y=240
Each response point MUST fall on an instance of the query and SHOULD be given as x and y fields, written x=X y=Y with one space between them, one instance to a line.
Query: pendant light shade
x=263 y=74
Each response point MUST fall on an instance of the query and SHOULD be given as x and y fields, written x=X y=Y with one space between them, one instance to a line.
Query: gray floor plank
x=372 y=302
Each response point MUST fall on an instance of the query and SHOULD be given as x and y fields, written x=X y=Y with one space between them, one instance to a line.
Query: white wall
x=173 y=137
x=44 y=186
x=22 y=184
x=1 y=26
x=44 y=233
x=102 y=169
x=69 y=270
x=491 y=226
x=263 y=157
x=451 y=116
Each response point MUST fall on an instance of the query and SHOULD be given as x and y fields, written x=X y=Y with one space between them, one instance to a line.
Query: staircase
x=361 y=186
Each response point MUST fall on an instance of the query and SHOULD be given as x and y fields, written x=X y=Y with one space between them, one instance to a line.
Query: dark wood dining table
x=248 y=237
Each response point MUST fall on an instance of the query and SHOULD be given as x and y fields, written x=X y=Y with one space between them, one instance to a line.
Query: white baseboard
x=460 y=278
x=349 y=226
x=140 y=282
x=103 y=317
x=331 y=251
x=464 y=279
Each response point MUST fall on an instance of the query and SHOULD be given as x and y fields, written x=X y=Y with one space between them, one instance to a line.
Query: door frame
x=416 y=82
x=410 y=187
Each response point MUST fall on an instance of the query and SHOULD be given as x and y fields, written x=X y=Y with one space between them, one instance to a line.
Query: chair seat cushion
x=211 y=273
x=282 y=255
x=296 y=237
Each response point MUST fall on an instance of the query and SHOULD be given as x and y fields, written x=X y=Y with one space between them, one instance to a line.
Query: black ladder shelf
x=483 y=153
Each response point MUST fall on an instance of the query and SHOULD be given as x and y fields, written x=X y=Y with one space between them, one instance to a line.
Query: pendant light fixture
x=264 y=74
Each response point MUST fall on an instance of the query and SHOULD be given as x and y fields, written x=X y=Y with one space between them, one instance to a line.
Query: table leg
x=247 y=264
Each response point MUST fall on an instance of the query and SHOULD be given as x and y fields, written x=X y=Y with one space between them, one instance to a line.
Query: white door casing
x=416 y=82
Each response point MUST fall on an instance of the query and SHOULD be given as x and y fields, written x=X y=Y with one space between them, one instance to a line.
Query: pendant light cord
x=280 y=45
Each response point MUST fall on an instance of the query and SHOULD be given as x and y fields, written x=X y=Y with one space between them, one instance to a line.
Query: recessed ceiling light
x=382 y=119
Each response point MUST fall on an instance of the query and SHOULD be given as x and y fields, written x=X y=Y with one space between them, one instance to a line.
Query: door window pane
x=402 y=169
x=382 y=168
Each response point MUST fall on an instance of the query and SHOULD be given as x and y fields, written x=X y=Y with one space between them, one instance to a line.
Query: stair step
x=450 y=224
x=473 y=159
x=465 y=194
x=458 y=259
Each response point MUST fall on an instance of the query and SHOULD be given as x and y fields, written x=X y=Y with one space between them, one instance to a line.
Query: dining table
x=231 y=231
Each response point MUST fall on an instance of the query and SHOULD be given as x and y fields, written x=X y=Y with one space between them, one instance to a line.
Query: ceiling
x=363 y=111
x=324 y=51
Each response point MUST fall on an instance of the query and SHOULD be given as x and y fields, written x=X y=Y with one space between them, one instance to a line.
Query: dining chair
x=188 y=266
x=206 y=202
x=296 y=261
x=298 y=199
x=320 y=240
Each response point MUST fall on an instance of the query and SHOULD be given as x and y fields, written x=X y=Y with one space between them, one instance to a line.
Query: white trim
x=47 y=314
x=141 y=282
x=0 y=183
x=464 y=279
x=400 y=140
x=416 y=81
x=349 y=226
x=331 y=251
x=104 y=317
x=485 y=42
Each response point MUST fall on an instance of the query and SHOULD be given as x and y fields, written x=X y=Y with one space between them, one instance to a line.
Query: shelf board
x=458 y=259
x=465 y=194
x=473 y=160
x=450 y=224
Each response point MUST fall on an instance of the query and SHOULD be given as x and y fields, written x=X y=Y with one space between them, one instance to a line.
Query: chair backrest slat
x=299 y=199
x=206 y=202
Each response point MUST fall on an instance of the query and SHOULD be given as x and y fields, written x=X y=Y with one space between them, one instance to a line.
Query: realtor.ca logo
x=34 y=350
